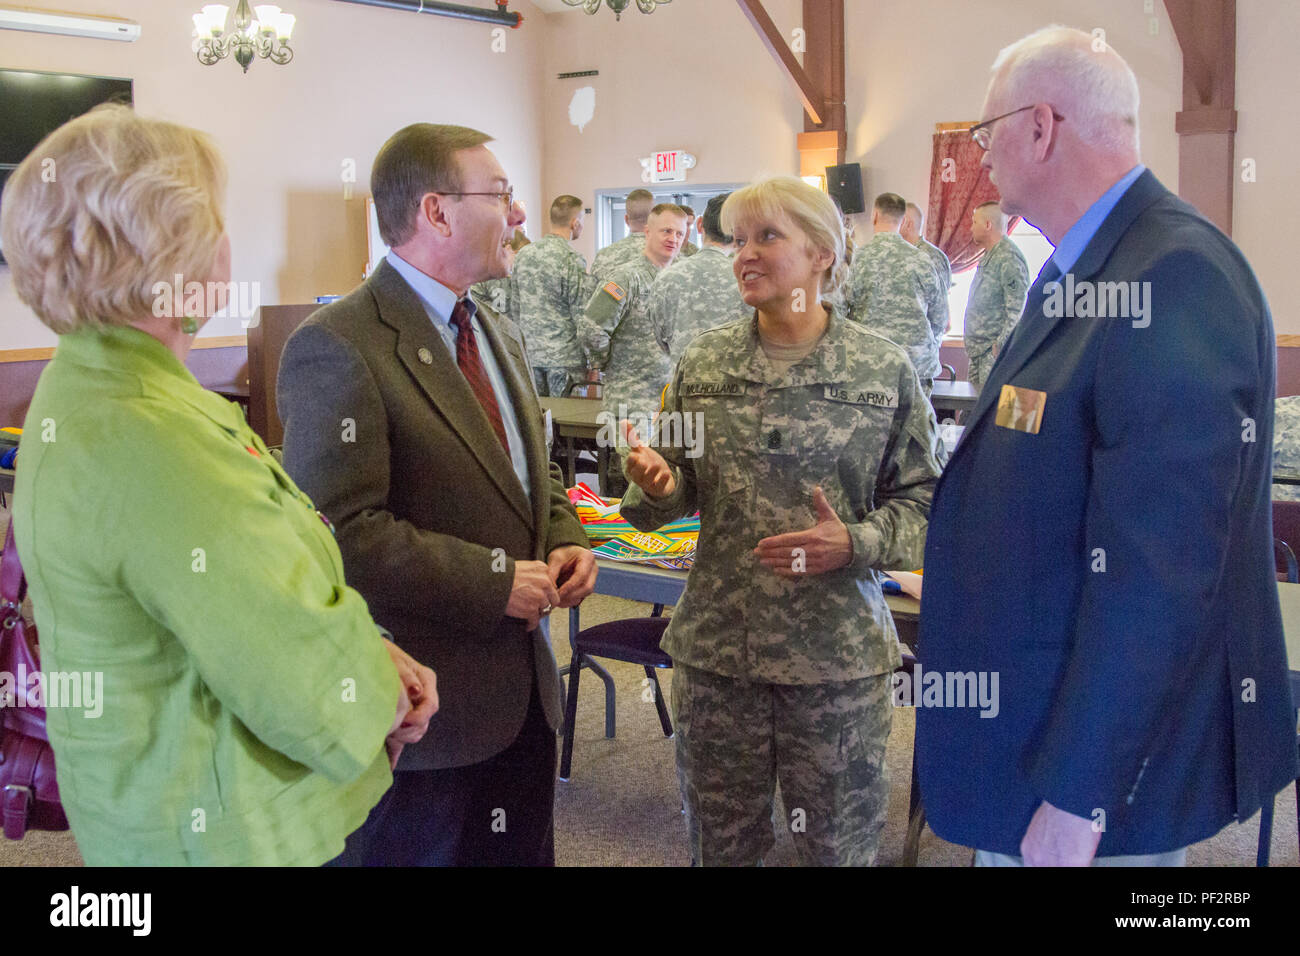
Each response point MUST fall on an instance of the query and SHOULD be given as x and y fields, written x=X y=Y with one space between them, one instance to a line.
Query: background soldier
x=496 y=294
x=893 y=290
x=689 y=248
x=615 y=330
x=700 y=293
x=913 y=230
x=628 y=248
x=997 y=295
x=549 y=289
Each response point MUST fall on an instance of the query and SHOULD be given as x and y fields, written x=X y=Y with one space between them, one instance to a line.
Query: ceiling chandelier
x=266 y=36
x=618 y=6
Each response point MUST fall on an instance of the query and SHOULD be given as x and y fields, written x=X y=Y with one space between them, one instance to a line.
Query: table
x=953 y=397
x=575 y=419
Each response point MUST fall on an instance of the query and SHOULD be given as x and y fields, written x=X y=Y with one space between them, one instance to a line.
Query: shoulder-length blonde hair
x=105 y=207
x=810 y=209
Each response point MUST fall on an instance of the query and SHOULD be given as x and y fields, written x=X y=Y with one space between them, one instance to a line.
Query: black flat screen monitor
x=33 y=105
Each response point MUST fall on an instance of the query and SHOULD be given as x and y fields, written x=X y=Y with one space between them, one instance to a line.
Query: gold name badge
x=1021 y=409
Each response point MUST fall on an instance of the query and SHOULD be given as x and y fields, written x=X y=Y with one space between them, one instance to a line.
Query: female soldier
x=818 y=465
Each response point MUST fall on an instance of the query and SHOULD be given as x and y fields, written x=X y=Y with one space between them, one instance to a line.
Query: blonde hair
x=810 y=209
x=106 y=206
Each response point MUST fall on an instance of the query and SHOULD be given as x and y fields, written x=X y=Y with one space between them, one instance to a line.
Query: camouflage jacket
x=549 y=288
x=1286 y=445
x=616 y=254
x=893 y=290
x=616 y=335
x=688 y=249
x=997 y=297
x=691 y=296
x=942 y=265
x=850 y=418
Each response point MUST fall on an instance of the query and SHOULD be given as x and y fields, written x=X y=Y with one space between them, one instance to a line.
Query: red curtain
x=958 y=184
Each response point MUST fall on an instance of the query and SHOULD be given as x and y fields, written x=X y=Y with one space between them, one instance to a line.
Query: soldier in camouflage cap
x=913 y=230
x=549 y=288
x=808 y=447
x=997 y=296
x=1286 y=447
x=700 y=294
x=893 y=290
x=615 y=331
x=628 y=249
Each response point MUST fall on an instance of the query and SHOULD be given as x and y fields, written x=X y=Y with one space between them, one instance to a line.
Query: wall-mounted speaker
x=844 y=183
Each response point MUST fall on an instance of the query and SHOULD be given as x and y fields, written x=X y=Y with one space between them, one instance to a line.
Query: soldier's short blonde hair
x=103 y=208
x=810 y=209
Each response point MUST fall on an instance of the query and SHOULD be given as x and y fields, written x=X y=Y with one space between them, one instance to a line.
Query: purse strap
x=13 y=583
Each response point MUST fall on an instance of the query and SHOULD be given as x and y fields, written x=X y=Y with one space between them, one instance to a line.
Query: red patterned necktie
x=471 y=365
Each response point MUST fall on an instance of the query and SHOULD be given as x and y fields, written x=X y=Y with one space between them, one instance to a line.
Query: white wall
x=358 y=76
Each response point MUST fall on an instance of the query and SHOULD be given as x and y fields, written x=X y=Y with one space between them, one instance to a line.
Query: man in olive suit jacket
x=411 y=419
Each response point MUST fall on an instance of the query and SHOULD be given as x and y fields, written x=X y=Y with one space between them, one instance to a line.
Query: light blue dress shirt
x=1076 y=240
x=438 y=302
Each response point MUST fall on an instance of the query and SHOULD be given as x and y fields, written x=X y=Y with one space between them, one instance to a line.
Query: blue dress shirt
x=1076 y=240
x=438 y=302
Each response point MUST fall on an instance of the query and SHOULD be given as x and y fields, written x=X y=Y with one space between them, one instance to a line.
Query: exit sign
x=668 y=167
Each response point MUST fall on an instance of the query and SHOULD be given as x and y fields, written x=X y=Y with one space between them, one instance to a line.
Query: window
x=1036 y=249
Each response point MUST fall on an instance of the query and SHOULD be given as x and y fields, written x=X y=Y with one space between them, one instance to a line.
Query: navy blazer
x=1116 y=569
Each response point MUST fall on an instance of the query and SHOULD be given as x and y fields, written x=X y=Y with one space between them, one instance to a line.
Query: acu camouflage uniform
x=689 y=297
x=616 y=254
x=616 y=334
x=997 y=297
x=942 y=264
x=549 y=288
x=688 y=250
x=778 y=678
x=1286 y=446
x=893 y=290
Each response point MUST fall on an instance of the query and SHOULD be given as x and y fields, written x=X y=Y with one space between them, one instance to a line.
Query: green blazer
x=245 y=690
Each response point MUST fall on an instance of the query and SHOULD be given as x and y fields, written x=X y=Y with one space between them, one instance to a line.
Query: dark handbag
x=29 y=792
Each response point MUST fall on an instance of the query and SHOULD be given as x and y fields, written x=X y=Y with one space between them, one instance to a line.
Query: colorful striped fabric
x=672 y=546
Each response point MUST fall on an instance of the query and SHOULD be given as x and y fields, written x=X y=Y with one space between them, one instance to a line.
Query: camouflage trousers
x=981 y=363
x=824 y=743
x=554 y=382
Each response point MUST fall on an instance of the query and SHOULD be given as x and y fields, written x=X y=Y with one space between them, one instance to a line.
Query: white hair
x=1081 y=76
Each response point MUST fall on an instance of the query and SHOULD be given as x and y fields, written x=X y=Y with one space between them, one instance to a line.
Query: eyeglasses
x=507 y=197
x=982 y=133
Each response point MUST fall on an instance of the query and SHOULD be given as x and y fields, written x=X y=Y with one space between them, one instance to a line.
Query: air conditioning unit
x=69 y=24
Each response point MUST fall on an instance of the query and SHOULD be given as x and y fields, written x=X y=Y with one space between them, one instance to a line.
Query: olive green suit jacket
x=382 y=430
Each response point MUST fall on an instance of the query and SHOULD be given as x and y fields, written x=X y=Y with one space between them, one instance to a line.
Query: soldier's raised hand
x=646 y=467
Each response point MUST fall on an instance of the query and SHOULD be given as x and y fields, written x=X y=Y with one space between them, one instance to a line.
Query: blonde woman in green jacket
x=249 y=707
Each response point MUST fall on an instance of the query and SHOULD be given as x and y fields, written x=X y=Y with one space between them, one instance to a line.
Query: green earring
x=190 y=324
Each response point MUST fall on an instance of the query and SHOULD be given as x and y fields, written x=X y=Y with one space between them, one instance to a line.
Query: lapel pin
x=425 y=356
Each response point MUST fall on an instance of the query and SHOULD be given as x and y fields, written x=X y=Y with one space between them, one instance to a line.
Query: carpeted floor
x=620 y=806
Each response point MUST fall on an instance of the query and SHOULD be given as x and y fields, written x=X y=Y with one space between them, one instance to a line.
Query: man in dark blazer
x=411 y=420
x=1109 y=557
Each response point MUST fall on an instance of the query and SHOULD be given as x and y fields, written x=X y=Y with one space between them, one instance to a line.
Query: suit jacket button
x=425 y=356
